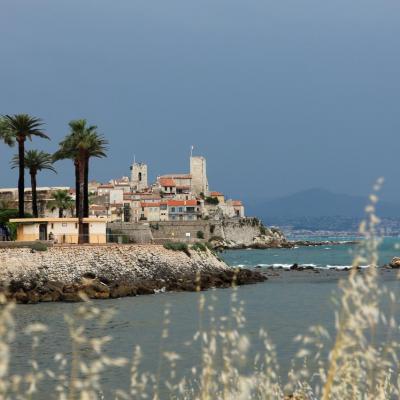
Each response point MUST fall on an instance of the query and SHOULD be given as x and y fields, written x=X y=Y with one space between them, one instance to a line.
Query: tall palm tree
x=61 y=200
x=67 y=151
x=22 y=127
x=5 y=135
x=80 y=145
x=34 y=162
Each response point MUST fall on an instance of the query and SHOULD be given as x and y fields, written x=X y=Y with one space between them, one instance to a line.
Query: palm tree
x=80 y=145
x=5 y=134
x=67 y=151
x=61 y=200
x=34 y=162
x=21 y=127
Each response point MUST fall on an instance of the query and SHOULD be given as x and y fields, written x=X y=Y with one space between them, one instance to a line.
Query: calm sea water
x=284 y=307
x=320 y=256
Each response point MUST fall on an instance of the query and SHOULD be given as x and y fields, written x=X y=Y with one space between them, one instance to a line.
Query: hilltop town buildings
x=172 y=197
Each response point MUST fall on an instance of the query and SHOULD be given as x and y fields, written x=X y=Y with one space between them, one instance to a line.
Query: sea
x=338 y=256
x=284 y=307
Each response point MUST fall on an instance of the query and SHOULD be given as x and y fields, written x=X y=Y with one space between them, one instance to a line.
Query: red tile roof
x=97 y=207
x=174 y=203
x=236 y=203
x=167 y=182
x=216 y=194
x=105 y=187
x=177 y=176
x=149 y=204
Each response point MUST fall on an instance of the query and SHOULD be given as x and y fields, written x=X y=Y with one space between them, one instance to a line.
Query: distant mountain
x=317 y=203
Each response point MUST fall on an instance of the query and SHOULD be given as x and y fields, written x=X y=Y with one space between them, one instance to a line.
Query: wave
x=308 y=266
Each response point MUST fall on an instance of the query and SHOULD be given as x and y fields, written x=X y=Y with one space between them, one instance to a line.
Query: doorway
x=42 y=231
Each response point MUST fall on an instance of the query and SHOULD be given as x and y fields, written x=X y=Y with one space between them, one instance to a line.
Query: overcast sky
x=279 y=96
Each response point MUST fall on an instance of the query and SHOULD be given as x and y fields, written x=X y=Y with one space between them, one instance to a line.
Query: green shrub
x=7 y=213
x=212 y=200
x=199 y=247
x=177 y=246
x=200 y=235
x=263 y=231
x=38 y=246
x=12 y=226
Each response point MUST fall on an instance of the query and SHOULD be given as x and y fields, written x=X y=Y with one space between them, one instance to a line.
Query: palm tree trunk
x=86 y=199
x=21 y=178
x=60 y=212
x=76 y=163
x=81 y=238
x=34 y=195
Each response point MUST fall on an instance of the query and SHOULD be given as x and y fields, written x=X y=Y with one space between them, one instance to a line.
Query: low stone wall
x=178 y=230
x=108 y=271
x=135 y=232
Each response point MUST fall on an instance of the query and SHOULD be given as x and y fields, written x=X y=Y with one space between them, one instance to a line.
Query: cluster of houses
x=172 y=197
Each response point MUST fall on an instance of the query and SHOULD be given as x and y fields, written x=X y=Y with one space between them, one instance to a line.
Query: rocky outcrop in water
x=102 y=272
x=395 y=263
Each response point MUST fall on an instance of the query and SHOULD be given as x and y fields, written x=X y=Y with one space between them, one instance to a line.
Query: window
x=140 y=177
x=172 y=209
x=52 y=226
x=180 y=209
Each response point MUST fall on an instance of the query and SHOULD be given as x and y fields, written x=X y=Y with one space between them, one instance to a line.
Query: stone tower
x=138 y=176
x=198 y=171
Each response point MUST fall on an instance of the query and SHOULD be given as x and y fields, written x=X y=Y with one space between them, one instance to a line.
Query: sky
x=279 y=96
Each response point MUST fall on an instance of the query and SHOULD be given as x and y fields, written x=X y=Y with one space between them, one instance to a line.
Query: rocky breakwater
x=249 y=233
x=102 y=272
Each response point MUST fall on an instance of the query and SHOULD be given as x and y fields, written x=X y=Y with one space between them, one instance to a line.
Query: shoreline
x=103 y=272
x=285 y=244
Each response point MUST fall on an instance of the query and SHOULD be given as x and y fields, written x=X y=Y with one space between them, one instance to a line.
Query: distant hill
x=317 y=203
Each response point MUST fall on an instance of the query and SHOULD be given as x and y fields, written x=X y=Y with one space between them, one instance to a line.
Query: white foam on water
x=343 y=266
x=281 y=265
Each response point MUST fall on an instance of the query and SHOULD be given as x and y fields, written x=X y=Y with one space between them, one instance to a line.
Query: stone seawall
x=101 y=272
x=226 y=233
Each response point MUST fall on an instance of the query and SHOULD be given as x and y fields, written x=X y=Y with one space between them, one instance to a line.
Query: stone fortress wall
x=242 y=232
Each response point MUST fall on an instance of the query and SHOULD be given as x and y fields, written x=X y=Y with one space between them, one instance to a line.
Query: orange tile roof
x=189 y=203
x=177 y=176
x=216 y=194
x=167 y=182
x=142 y=204
x=105 y=187
x=237 y=203
x=97 y=207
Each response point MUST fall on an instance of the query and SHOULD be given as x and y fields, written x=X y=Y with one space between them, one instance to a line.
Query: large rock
x=395 y=263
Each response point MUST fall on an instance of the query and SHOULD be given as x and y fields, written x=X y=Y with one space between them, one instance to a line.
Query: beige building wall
x=63 y=230
x=152 y=214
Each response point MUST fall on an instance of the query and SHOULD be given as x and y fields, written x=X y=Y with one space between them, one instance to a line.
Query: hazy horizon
x=278 y=96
